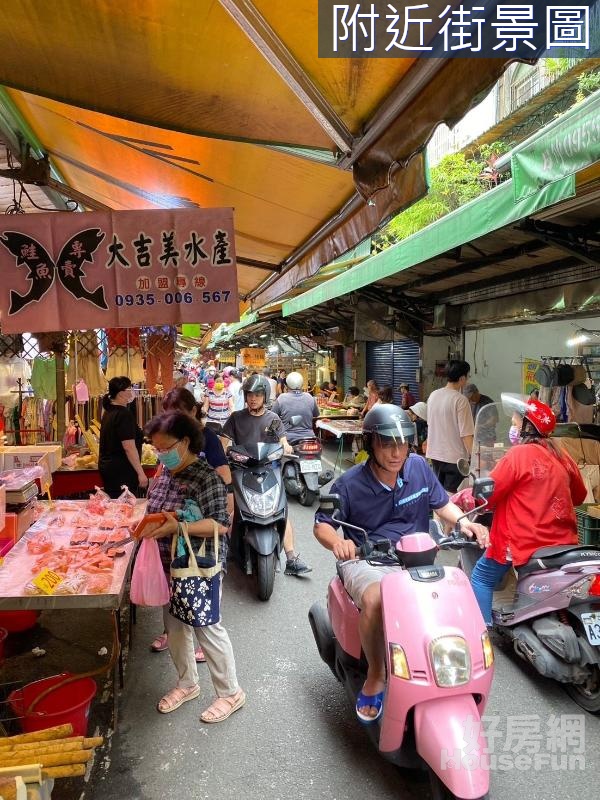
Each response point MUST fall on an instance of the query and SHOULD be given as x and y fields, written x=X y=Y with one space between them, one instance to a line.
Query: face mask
x=219 y=386
x=514 y=434
x=171 y=459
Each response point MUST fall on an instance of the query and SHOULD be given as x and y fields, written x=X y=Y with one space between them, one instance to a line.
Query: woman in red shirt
x=536 y=488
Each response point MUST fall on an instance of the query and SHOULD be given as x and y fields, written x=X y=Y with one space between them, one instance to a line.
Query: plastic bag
x=149 y=586
x=98 y=502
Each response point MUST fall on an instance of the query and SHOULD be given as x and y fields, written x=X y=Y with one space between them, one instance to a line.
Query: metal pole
x=60 y=396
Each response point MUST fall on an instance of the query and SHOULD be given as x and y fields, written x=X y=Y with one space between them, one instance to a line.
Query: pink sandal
x=176 y=697
x=223 y=707
x=160 y=643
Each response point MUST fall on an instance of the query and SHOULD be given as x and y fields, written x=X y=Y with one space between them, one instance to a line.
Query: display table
x=58 y=525
x=67 y=482
x=340 y=428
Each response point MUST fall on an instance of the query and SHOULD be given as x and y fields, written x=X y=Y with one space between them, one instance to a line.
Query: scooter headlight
x=262 y=505
x=451 y=661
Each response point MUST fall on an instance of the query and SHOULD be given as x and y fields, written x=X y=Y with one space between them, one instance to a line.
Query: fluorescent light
x=263 y=336
x=580 y=338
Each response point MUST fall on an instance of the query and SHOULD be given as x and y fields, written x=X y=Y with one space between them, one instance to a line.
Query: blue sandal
x=372 y=700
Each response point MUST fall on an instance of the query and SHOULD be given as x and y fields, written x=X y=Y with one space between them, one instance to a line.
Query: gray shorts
x=358 y=575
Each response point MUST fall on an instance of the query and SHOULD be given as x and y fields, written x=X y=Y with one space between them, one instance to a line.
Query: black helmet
x=256 y=384
x=388 y=421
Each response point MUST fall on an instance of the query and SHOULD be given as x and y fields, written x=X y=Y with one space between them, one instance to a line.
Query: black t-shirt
x=118 y=425
x=242 y=427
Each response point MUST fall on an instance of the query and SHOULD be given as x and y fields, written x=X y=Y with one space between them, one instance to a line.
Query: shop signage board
x=117 y=269
x=253 y=357
x=528 y=382
x=227 y=356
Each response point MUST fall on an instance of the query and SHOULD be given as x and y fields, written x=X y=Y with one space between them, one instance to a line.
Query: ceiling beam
x=252 y=262
x=289 y=70
x=571 y=240
x=528 y=248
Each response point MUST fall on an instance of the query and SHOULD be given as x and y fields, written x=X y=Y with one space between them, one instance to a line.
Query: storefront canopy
x=226 y=103
x=506 y=232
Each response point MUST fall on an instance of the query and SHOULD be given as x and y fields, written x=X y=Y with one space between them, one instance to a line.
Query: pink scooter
x=438 y=655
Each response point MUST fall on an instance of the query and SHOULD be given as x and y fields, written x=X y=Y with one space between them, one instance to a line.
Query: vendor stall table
x=340 y=428
x=69 y=482
x=18 y=566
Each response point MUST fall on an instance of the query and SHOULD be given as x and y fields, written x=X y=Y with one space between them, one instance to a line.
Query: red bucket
x=69 y=703
x=3 y=635
x=18 y=621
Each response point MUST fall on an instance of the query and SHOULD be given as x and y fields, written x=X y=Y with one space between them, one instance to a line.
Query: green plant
x=457 y=179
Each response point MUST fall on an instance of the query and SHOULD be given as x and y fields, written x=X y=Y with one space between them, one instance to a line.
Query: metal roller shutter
x=394 y=363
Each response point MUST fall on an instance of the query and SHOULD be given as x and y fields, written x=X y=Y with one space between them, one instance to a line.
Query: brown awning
x=226 y=103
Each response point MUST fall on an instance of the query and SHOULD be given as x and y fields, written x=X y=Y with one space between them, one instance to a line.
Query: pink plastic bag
x=149 y=586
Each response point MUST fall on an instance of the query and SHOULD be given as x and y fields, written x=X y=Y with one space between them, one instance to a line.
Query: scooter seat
x=555 y=557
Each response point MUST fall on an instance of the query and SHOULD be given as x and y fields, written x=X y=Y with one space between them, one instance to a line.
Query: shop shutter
x=407 y=354
x=394 y=363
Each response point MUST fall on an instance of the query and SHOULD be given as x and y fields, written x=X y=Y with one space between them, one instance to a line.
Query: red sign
x=117 y=269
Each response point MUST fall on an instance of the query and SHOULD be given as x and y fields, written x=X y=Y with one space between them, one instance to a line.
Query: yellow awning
x=184 y=103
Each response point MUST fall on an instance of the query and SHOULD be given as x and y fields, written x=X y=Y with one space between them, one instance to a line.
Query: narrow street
x=296 y=736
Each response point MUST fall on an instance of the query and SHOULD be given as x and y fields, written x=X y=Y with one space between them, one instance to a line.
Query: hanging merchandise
x=125 y=354
x=160 y=357
x=84 y=362
x=43 y=377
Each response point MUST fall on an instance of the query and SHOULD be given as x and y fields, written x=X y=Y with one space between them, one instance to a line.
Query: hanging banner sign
x=117 y=269
x=253 y=357
x=528 y=381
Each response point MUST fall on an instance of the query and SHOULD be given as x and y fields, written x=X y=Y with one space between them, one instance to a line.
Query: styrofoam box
x=17 y=457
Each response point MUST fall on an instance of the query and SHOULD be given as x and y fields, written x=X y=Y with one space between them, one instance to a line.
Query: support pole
x=60 y=396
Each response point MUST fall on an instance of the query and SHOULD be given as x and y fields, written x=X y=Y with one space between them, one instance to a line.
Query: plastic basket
x=588 y=528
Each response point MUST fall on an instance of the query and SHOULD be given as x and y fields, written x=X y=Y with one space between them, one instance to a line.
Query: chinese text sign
x=117 y=269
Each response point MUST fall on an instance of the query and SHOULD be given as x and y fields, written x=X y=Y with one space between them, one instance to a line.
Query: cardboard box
x=28 y=456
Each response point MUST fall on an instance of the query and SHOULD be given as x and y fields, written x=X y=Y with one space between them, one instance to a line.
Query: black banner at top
x=478 y=29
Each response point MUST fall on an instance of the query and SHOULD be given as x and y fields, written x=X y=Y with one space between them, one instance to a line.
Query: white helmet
x=295 y=381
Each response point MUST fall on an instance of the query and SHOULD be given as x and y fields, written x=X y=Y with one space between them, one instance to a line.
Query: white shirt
x=235 y=389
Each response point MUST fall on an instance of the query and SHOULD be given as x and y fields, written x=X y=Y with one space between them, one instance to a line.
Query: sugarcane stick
x=66 y=771
x=72 y=743
x=8 y=788
x=41 y=747
x=46 y=759
x=57 y=732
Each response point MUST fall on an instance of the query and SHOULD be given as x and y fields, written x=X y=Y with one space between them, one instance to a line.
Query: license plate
x=591 y=623
x=314 y=465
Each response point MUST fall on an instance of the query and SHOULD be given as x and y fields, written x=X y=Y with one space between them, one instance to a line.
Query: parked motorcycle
x=302 y=471
x=552 y=617
x=260 y=511
x=438 y=655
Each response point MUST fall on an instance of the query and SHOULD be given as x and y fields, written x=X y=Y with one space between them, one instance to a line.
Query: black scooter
x=302 y=472
x=260 y=511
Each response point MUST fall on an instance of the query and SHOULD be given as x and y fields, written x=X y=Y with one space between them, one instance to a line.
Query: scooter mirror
x=463 y=467
x=483 y=488
x=329 y=503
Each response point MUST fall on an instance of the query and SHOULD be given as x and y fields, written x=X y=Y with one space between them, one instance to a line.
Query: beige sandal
x=223 y=707
x=177 y=697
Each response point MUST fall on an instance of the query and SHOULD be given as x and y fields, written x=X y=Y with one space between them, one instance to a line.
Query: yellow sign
x=528 y=381
x=227 y=356
x=47 y=581
x=253 y=357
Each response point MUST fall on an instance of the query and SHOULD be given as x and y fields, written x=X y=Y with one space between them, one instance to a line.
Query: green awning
x=487 y=213
x=565 y=146
x=234 y=327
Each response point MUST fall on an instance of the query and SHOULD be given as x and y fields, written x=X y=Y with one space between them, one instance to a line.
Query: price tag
x=47 y=581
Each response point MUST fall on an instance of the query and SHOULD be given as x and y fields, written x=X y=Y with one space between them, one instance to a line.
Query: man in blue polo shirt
x=389 y=495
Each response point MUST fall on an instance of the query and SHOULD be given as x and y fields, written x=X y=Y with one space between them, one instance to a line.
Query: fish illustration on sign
x=42 y=269
x=29 y=253
x=69 y=265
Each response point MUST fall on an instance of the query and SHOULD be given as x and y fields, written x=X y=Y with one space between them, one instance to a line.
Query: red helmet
x=539 y=414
